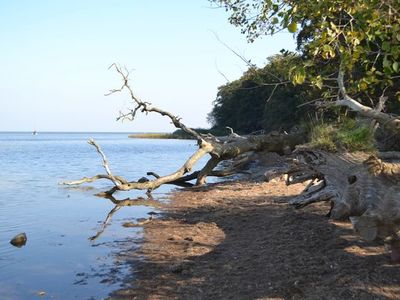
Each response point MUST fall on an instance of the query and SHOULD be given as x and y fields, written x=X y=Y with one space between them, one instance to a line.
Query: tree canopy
x=262 y=99
x=359 y=39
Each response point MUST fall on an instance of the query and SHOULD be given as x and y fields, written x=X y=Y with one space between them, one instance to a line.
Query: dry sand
x=240 y=240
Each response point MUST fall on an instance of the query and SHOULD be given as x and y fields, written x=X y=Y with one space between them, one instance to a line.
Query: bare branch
x=221 y=73
x=95 y=178
x=388 y=121
x=252 y=67
x=272 y=93
x=219 y=149
x=382 y=101
x=151 y=184
x=210 y=165
x=145 y=107
x=105 y=162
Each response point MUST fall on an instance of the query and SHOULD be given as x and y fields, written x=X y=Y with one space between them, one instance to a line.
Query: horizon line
x=51 y=131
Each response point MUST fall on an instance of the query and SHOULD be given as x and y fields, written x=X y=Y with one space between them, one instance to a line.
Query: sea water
x=59 y=261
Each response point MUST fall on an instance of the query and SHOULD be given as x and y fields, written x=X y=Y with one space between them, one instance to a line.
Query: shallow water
x=58 y=258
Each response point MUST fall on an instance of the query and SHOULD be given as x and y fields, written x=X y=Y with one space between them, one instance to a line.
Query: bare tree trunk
x=210 y=165
x=218 y=150
x=224 y=149
x=386 y=120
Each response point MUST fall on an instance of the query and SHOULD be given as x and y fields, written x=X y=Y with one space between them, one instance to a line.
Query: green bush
x=349 y=135
x=322 y=137
x=355 y=136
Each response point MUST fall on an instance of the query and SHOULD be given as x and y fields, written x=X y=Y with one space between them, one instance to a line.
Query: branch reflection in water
x=140 y=201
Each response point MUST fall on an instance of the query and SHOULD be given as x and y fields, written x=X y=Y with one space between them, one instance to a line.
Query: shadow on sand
x=269 y=250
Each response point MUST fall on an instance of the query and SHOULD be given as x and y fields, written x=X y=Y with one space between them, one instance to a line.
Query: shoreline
x=240 y=239
x=152 y=136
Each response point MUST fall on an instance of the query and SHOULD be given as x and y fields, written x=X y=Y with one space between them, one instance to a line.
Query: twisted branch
x=218 y=149
x=386 y=120
x=145 y=107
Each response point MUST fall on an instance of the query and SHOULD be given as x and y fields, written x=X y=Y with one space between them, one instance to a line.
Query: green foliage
x=363 y=37
x=355 y=136
x=358 y=39
x=239 y=105
x=322 y=136
x=348 y=135
x=254 y=102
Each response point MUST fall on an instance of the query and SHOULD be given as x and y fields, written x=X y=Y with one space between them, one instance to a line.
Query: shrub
x=322 y=137
x=355 y=136
x=349 y=135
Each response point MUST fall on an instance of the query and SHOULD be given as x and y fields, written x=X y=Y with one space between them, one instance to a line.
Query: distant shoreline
x=152 y=135
x=178 y=134
x=69 y=132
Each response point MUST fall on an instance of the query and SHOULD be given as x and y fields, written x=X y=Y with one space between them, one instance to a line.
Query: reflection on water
x=58 y=258
x=140 y=201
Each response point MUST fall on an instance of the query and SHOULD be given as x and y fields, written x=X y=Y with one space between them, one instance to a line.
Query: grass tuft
x=349 y=135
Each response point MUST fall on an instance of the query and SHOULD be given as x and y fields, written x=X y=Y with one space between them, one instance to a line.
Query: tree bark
x=386 y=120
x=219 y=149
x=364 y=190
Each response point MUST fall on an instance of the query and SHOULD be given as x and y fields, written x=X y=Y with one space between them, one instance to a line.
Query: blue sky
x=54 y=57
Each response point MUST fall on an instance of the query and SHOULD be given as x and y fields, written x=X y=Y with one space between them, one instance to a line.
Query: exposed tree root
x=362 y=190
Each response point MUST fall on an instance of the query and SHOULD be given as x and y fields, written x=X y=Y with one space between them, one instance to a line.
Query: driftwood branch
x=219 y=149
x=146 y=107
x=153 y=184
x=105 y=162
x=377 y=167
x=94 y=178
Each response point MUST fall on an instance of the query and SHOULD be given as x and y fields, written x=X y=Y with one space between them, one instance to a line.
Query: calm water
x=58 y=257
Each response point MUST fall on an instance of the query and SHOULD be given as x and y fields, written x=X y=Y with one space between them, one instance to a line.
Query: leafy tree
x=262 y=98
x=347 y=47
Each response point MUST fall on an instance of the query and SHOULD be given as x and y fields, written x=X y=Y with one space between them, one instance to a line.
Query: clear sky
x=54 y=57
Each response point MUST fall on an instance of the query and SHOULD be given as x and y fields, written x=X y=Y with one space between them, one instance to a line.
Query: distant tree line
x=262 y=99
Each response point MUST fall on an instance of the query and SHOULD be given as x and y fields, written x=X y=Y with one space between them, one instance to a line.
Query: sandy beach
x=241 y=240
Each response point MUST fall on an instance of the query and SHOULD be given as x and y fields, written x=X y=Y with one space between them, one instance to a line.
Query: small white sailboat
x=34 y=132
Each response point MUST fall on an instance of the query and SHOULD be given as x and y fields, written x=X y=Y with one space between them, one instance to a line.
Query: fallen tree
x=363 y=190
x=233 y=146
